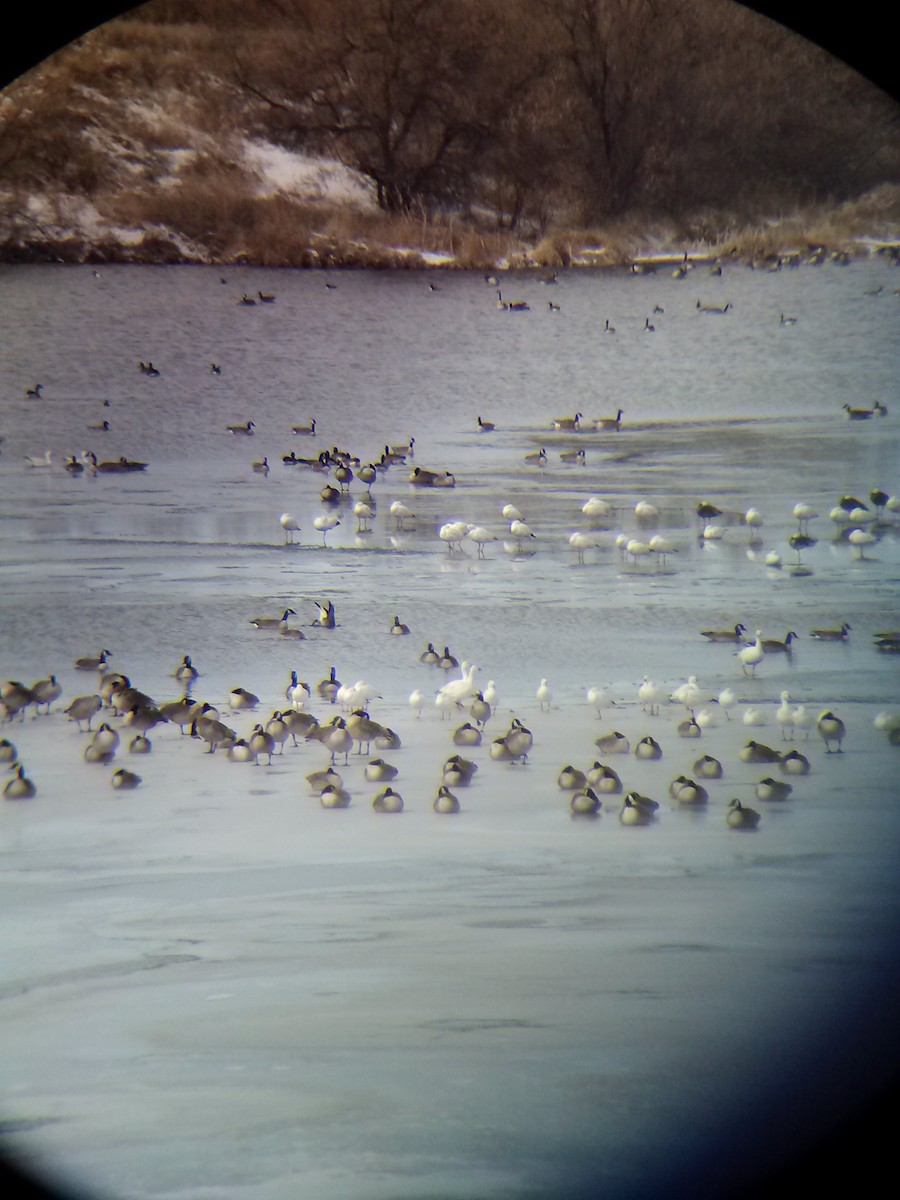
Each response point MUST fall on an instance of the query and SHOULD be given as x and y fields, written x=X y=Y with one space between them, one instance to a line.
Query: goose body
x=20 y=787
x=272 y=622
x=739 y=817
x=609 y=424
x=445 y=801
x=123 y=780
x=725 y=635
x=247 y=429
x=388 y=801
x=604 y=779
x=770 y=789
x=831 y=729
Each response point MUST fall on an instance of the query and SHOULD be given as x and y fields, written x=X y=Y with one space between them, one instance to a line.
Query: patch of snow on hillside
x=282 y=170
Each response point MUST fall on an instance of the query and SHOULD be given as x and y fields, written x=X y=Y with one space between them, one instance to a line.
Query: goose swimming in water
x=572 y=423
x=245 y=429
x=609 y=424
x=35 y=392
x=261 y=468
x=725 y=635
x=832 y=635
x=272 y=622
x=485 y=426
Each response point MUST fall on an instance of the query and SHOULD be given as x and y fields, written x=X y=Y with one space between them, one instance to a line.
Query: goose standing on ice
x=831 y=729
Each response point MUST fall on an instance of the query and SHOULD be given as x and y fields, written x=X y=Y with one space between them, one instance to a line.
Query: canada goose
x=560 y=423
x=794 y=763
x=800 y=542
x=686 y=791
x=35 y=392
x=140 y=744
x=518 y=740
x=245 y=429
x=447 y=661
x=712 y=308
x=569 y=456
x=96 y=754
x=241 y=700
x=272 y=622
x=858 y=414
x=708 y=767
x=831 y=729
x=636 y=810
x=689 y=728
x=772 y=789
x=261 y=742
x=585 y=803
x=485 y=426
x=537 y=457
x=364 y=730
x=553 y=307
x=318 y=780
x=774 y=646
x=8 y=752
x=604 y=779
x=606 y=424
x=388 y=801
x=466 y=734
x=93 y=664
x=215 y=369
x=277 y=729
x=725 y=635
x=786 y=320
x=398 y=628
x=326 y=616
x=511 y=305
x=612 y=743
x=607 y=328
x=739 y=817
x=832 y=635
x=123 y=780
x=647 y=748
x=45 y=691
x=570 y=779
x=15 y=698
x=445 y=801
x=758 y=752
x=186 y=672
x=334 y=796
x=266 y=297
x=20 y=787
x=103 y=427
x=261 y=468
x=648 y=328
x=379 y=771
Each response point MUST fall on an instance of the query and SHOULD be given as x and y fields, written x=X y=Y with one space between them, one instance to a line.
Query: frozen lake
x=213 y=986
